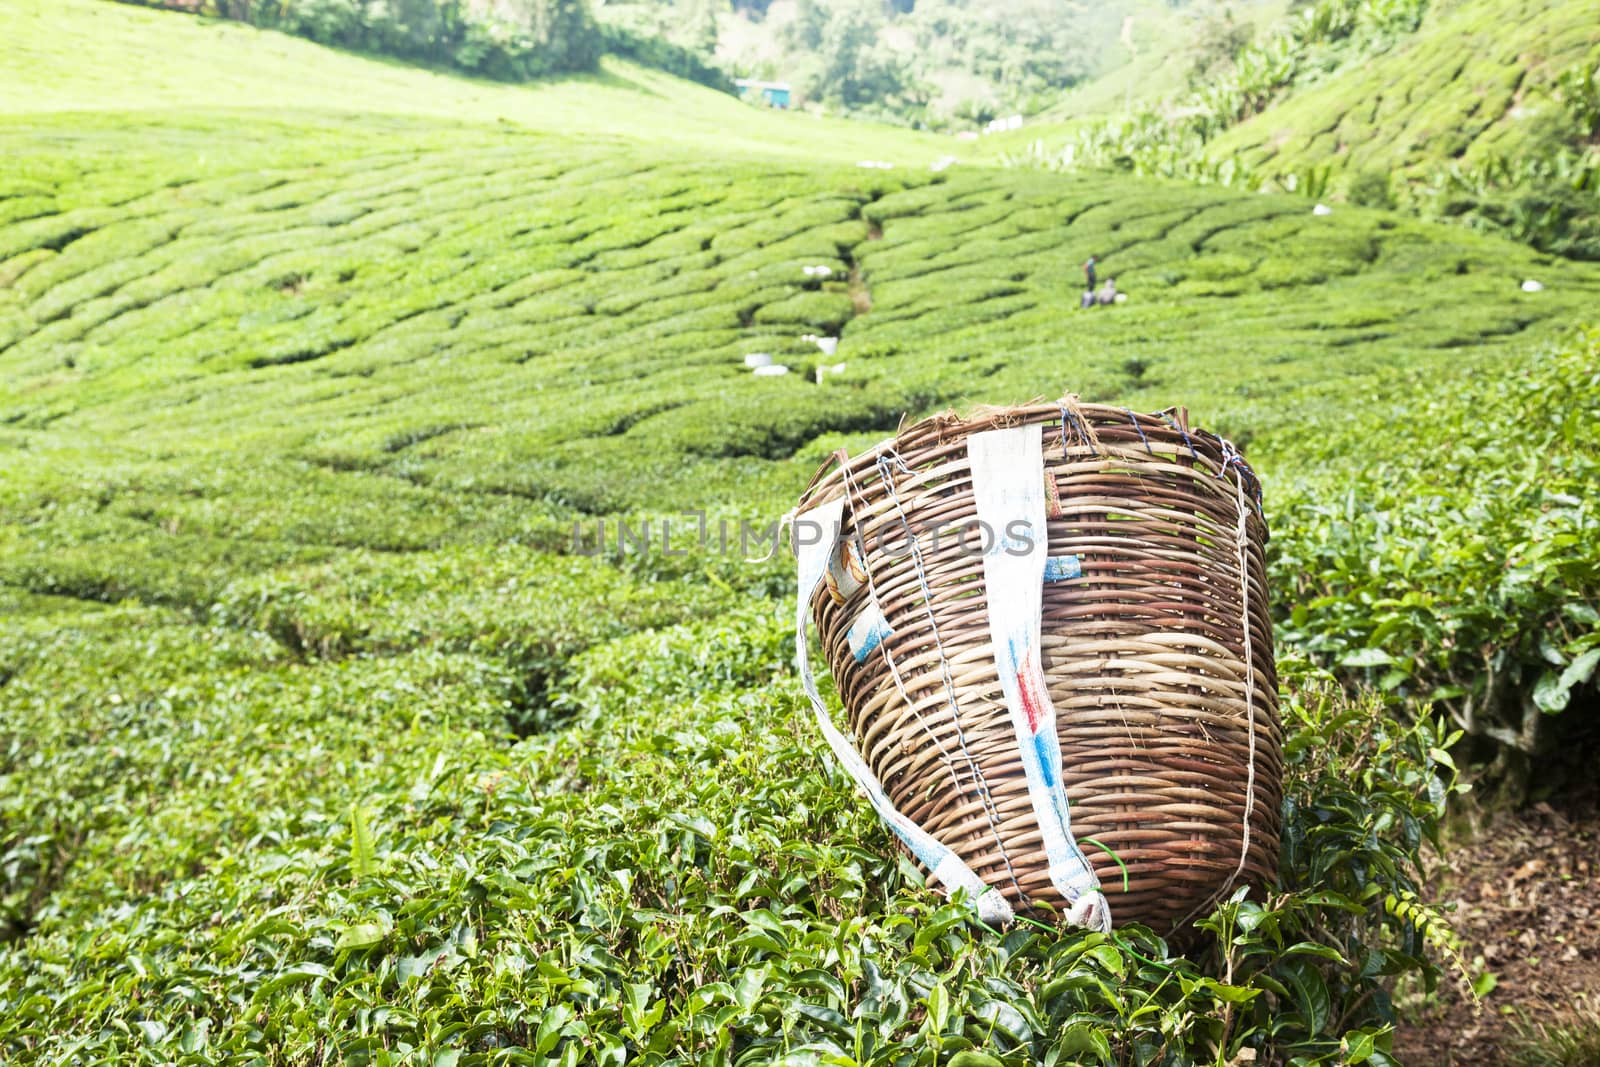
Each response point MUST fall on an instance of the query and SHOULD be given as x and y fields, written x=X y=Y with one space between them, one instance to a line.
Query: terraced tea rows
x=604 y=304
x=1478 y=82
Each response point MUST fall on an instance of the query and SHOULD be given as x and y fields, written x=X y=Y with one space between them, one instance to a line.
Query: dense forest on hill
x=510 y=40
x=938 y=62
x=955 y=63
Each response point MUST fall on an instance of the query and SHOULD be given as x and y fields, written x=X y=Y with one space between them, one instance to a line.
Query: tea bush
x=1443 y=552
x=1479 y=113
x=684 y=877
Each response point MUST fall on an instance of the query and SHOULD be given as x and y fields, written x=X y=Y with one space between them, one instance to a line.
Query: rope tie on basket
x=947 y=868
x=1241 y=543
x=785 y=522
x=1135 y=420
x=1231 y=457
x=978 y=781
x=1176 y=425
x=1007 y=469
x=1082 y=428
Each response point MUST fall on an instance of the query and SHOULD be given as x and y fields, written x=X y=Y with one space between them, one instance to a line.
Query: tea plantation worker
x=1088 y=272
x=1107 y=294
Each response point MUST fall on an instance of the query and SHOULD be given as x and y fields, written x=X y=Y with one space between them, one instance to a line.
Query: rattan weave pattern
x=1144 y=655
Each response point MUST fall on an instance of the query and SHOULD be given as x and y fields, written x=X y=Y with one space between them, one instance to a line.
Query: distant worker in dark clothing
x=1088 y=272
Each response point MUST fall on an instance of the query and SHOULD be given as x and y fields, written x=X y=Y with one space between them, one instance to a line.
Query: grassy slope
x=1471 y=84
x=80 y=55
x=297 y=409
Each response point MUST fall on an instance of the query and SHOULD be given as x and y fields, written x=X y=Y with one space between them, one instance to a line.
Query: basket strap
x=1008 y=483
x=816 y=532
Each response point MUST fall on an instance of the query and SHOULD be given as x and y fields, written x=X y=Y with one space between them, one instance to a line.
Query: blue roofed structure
x=773 y=94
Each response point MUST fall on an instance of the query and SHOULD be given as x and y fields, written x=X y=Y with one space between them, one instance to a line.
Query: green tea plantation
x=326 y=737
x=1485 y=113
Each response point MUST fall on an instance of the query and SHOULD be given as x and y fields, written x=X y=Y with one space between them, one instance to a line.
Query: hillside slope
x=1473 y=111
x=1473 y=84
x=1153 y=60
x=86 y=55
x=154 y=292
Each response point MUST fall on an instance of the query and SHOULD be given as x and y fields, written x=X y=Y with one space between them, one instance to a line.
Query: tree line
x=510 y=40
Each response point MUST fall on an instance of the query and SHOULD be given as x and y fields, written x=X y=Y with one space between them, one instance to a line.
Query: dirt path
x=1527 y=892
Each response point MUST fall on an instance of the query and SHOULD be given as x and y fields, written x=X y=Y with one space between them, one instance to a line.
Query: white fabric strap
x=816 y=533
x=1008 y=483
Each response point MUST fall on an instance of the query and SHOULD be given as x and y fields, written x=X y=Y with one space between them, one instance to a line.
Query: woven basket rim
x=949 y=426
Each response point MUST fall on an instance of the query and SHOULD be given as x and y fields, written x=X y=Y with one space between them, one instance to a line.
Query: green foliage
x=529 y=611
x=1370 y=188
x=663 y=55
x=1322 y=36
x=1578 y=89
x=806 y=28
x=1444 y=550
x=321 y=739
x=1552 y=202
x=363 y=861
x=1548 y=196
x=1023 y=52
x=548 y=37
x=1501 y=140
x=932 y=64
x=81 y=60
x=1557 y=1044
x=602 y=892
x=853 y=68
x=1218 y=38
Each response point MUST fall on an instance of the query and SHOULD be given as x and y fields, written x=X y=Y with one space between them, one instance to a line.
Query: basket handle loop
x=816 y=534
x=1007 y=468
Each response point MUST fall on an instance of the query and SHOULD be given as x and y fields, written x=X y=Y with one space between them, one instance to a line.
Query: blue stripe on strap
x=868 y=631
x=1061 y=568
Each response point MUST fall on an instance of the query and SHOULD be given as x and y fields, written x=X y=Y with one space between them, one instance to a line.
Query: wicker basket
x=1155 y=647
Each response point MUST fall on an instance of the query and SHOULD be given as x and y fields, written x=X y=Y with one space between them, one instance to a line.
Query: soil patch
x=1526 y=887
